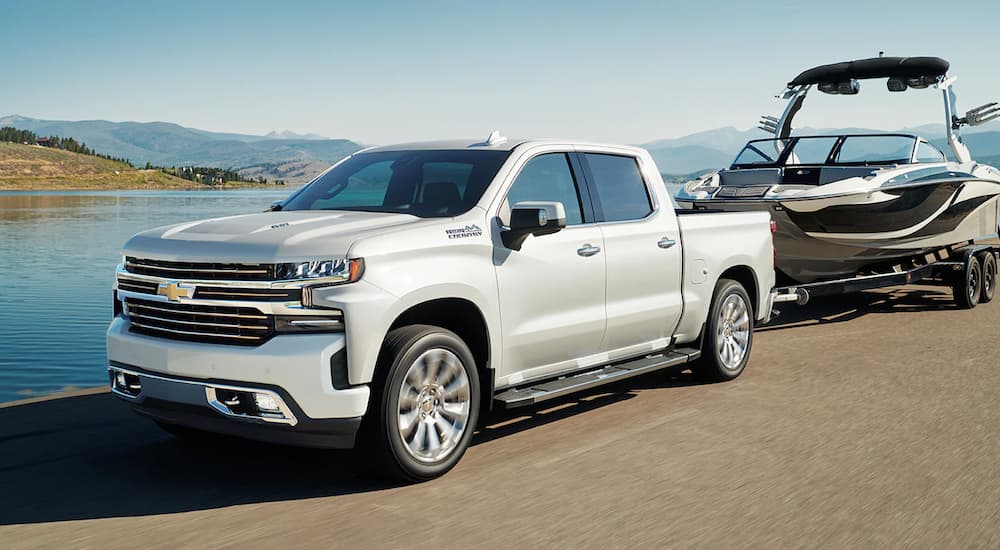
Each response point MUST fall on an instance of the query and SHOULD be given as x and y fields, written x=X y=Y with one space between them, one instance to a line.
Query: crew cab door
x=551 y=292
x=642 y=250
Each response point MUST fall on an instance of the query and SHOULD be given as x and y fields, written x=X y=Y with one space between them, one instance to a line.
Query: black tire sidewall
x=961 y=290
x=712 y=365
x=404 y=356
x=988 y=263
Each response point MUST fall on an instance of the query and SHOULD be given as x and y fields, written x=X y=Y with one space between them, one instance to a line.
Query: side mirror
x=275 y=206
x=533 y=218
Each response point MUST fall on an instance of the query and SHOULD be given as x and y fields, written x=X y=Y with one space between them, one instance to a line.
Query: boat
x=852 y=204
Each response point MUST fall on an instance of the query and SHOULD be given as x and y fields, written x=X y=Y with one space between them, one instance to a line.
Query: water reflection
x=58 y=251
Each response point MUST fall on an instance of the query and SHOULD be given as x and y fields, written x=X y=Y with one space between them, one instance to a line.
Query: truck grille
x=244 y=326
x=245 y=294
x=200 y=271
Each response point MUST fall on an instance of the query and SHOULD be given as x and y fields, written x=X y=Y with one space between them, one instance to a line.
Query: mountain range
x=298 y=157
x=283 y=155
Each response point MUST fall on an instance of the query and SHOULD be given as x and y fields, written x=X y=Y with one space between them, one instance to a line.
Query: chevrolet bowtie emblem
x=175 y=291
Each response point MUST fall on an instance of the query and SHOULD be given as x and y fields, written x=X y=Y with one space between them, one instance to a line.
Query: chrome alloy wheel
x=733 y=336
x=434 y=405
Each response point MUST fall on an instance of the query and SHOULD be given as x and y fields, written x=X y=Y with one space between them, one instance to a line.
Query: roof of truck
x=507 y=144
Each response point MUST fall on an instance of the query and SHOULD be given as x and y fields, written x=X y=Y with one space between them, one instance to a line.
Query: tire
x=728 y=335
x=989 y=264
x=424 y=436
x=968 y=289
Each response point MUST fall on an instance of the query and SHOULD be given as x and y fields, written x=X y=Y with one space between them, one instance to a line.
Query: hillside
x=168 y=144
x=25 y=167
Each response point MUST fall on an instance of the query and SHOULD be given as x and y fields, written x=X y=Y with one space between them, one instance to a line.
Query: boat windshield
x=843 y=150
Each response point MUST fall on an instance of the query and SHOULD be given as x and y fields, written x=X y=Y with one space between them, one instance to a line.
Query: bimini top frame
x=902 y=73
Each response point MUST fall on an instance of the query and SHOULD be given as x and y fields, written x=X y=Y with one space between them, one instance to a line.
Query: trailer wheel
x=728 y=334
x=989 y=263
x=968 y=289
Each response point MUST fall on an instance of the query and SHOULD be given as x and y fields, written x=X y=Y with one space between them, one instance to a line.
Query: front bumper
x=179 y=377
x=202 y=404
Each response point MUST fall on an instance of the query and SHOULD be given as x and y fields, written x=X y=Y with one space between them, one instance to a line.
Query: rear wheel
x=422 y=415
x=989 y=264
x=728 y=334
x=968 y=289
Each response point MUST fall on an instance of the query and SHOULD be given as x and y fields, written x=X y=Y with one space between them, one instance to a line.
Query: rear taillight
x=774 y=251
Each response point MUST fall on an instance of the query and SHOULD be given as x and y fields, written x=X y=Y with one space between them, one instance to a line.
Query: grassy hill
x=33 y=167
x=168 y=144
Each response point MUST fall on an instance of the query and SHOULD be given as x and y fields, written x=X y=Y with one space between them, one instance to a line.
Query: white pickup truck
x=410 y=287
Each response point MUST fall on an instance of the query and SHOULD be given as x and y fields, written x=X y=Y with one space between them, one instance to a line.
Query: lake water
x=58 y=252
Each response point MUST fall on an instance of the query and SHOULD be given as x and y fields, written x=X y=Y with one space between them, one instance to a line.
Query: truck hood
x=264 y=237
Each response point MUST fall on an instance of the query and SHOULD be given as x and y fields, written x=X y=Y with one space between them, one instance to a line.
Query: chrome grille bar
x=191 y=333
x=134 y=304
x=208 y=271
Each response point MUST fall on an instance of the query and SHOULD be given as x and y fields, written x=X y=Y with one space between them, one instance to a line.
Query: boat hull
x=822 y=238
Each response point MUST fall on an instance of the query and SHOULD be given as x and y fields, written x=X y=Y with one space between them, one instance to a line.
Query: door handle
x=587 y=250
x=666 y=242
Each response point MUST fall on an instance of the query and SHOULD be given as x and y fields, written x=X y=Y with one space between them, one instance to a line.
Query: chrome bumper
x=238 y=402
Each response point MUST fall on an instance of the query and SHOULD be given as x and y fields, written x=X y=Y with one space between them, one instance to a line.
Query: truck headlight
x=338 y=271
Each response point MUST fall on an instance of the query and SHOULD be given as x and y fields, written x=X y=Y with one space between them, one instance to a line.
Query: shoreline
x=194 y=187
x=61 y=394
x=131 y=186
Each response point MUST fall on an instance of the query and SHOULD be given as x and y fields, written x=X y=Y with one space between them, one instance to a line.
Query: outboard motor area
x=252 y=404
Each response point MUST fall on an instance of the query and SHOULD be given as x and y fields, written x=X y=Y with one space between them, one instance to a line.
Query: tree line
x=199 y=174
x=208 y=175
x=11 y=134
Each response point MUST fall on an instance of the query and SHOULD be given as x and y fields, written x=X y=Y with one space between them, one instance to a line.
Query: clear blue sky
x=380 y=72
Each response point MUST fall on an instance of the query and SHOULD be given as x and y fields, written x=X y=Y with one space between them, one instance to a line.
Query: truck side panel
x=714 y=243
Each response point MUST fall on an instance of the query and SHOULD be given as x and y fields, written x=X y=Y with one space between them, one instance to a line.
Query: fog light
x=125 y=383
x=266 y=403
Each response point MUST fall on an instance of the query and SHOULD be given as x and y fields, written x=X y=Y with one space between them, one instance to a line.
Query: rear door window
x=620 y=189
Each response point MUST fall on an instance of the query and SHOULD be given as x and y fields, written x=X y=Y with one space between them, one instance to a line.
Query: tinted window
x=619 y=187
x=875 y=149
x=548 y=177
x=811 y=150
x=756 y=153
x=928 y=153
x=422 y=183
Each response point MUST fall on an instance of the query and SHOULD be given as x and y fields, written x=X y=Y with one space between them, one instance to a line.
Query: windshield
x=423 y=183
x=856 y=150
x=875 y=149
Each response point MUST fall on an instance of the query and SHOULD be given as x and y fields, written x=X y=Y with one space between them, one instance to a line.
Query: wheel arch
x=746 y=276
x=467 y=321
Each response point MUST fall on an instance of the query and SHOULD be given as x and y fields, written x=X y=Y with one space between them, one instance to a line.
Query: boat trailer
x=969 y=269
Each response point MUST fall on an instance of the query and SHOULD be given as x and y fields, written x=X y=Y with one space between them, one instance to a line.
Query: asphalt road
x=868 y=421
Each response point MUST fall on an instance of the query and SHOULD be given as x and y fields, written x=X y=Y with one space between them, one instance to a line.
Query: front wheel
x=423 y=413
x=728 y=334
